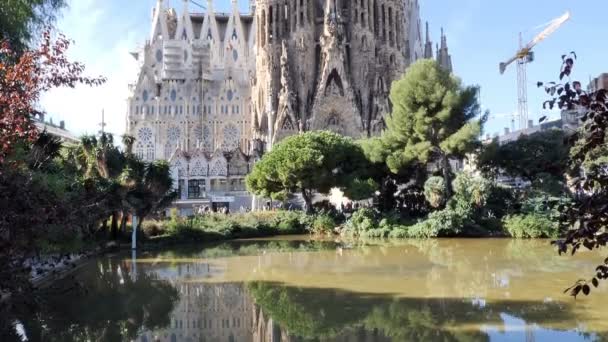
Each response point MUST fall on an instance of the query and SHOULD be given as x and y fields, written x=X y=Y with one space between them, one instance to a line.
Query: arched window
x=139 y=150
x=150 y=151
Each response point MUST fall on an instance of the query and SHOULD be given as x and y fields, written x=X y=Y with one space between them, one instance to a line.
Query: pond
x=298 y=289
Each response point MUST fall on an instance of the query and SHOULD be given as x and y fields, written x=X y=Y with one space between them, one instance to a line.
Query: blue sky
x=481 y=33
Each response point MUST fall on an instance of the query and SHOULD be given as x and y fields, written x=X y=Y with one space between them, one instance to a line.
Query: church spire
x=443 y=55
x=428 y=47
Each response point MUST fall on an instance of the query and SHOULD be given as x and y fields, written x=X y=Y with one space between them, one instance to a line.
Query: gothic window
x=180 y=165
x=198 y=167
x=173 y=134
x=150 y=151
x=207 y=138
x=287 y=125
x=173 y=95
x=231 y=138
x=198 y=133
x=159 y=56
x=144 y=134
x=184 y=35
x=234 y=35
x=209 y=35
x=169 y=149
x=235 y=55
x=333 y=120
x=185 y=56
x=218 y=168
x=229 y=94
x=145 y=95
x=139 y=150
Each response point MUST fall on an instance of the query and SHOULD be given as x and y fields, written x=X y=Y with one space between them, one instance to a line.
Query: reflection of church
x=214 y=312
x=206 y=311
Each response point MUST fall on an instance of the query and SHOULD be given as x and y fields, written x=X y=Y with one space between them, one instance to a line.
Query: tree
x=587 y=218
x=308 y=163
x=24 y=80
x=431 y=120
x=20 y=20
x=529 y=157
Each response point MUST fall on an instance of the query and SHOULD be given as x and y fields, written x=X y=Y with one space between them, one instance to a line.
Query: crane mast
x=522 y=86
x=523 y=56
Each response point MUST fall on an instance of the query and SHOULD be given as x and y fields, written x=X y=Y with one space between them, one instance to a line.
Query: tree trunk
x=445 y=166
x=114 y=226
x=123 y=222
x=308 y=200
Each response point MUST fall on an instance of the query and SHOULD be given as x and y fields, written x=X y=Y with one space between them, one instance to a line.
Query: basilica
x=216 y=90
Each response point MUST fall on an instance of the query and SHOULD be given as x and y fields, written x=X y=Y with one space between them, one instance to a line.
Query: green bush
x=362 y=220
x=434 y=191
x=323 y=224
x=531 y=226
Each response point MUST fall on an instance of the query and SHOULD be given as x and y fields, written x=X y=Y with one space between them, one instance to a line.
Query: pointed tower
x=428 y=46
x=334 y=108
x=443 y=56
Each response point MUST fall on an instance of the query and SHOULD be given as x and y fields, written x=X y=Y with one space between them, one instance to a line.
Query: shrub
x=323 y=224
x=362 y=220
x=152 y=228
x=434 y=191
x=531 y=226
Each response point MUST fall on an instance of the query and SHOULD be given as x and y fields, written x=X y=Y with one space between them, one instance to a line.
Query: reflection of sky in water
x=516 y=329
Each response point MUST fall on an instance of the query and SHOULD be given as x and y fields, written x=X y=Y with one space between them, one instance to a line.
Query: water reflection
x=295 y=290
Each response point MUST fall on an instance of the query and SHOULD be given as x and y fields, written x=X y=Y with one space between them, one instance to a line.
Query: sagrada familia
x=217 y=90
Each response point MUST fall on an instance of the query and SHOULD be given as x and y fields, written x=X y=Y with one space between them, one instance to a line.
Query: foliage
x=586 y=217
x=323 y=224
x=24 y=77
x=434 y=191
x=431 y=122
x=309 y=162
x=20 y=20
x=531 y=226
x=529 y=157
x=362 y=220
x=215 y=226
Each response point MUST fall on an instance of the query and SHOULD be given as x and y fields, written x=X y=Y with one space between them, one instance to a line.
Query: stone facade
x=329 y=64
x=217 y=90
x=192 y=99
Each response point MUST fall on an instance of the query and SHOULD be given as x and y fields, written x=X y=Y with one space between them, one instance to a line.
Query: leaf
x=539 y=84
x=575 y=291
x=543 y=118
x=586 y=289
x=595 y=282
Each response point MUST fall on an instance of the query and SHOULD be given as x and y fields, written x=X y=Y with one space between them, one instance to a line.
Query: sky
x=481 y=34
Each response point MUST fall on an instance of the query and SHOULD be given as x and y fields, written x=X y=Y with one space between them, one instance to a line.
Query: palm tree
x=128 y=141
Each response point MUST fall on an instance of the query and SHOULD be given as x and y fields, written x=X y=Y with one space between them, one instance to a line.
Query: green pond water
x=298 y=289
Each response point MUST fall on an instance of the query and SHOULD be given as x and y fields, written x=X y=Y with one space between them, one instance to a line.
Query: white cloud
x=87 y=22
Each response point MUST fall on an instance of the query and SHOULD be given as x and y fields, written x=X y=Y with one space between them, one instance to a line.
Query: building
x=58 y=131
x=217 y=90
x=329 y=64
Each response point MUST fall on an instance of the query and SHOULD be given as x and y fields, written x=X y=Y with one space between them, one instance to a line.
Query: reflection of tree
x=327 y=313
x=245 y=248
x=109 y=305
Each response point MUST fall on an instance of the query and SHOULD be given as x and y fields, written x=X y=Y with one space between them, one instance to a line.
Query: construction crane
x=524 y=56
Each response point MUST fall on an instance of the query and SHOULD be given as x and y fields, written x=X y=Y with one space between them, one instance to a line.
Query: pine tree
x=432 y=120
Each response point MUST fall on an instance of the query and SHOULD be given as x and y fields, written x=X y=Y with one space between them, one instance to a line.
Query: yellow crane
x=525 y=55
